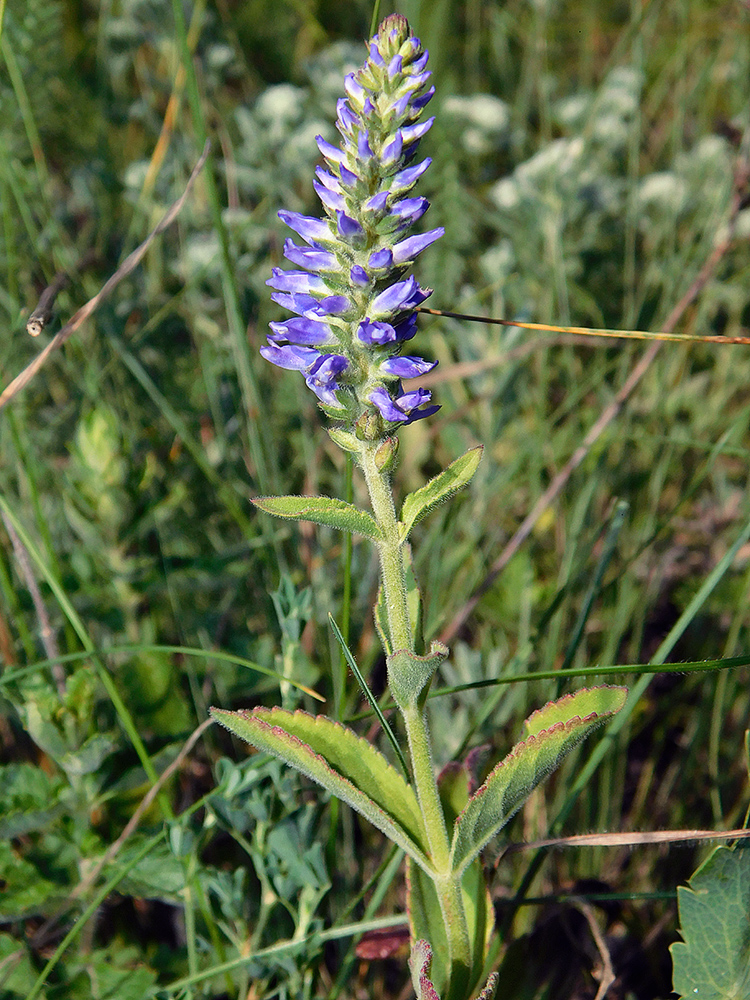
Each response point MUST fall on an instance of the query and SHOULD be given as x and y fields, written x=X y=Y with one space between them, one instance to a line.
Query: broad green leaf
x=322 y=510
x=346 y=765
x=26 y=892
x=552 y=732
x=576 y=705
x=419 y=504
x=713 y=961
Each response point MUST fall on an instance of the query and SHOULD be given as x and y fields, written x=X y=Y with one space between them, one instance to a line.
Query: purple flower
x=328 y=180
x=407 y=328
x=411 y=133
x=321 y=378
x=347 y=120
x=301 y=330
x=310 y=258
x=393 y=150
x=403 y=295
x=375 y=333
x=359 y=276
x=410 y=210
x=406 y=179
x=381 y=260
x=405 y=408
x=290 y=356
x=311 y=230
x=353 y=297
x=296 y=281
x=331 y=153
x=331 y=200
x=409 y=248
x=407 y=367
x=349 y=228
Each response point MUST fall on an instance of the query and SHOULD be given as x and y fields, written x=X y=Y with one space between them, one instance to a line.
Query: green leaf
x=346 y=765
x=422 y=903
x=322 y=510
x=380 y=614
x=408 y=673
x=713 y=961
x=426 y=918
x=551 y=733
x=419 y=504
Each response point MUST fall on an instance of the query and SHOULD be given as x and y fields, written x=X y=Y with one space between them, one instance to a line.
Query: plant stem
x=448 y=885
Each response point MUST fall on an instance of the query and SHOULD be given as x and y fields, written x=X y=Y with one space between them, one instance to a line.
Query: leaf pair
x=346 y=517
x=353 y=770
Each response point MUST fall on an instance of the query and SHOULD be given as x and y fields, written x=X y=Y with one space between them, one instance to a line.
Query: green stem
x=448 y=885
x=391 y=557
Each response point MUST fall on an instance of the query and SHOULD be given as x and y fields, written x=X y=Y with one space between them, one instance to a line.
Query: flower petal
x=301 y=330
x=407 y=367
x=311 y=230
x=370 y=332
x=312 y=259
x=409 y=248
x=296 y=281
x=290 y=356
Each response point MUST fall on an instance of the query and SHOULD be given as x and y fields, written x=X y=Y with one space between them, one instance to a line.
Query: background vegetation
x=584 y=159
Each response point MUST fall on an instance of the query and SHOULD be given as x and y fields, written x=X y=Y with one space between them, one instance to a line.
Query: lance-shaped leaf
x=419 y=504
x=346 y=765
x=551 y=733
x=322 y=510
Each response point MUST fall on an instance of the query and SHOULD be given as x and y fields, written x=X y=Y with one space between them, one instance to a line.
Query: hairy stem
x=393 y=571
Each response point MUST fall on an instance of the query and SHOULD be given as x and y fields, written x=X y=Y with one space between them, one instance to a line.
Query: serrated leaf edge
x=517 y=750
x=572 y=696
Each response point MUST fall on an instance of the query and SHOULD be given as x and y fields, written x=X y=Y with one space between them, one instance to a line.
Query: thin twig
x=43 y=312
x=609 y=413
x=607 y=975
x=128 y=265
x=46 y=632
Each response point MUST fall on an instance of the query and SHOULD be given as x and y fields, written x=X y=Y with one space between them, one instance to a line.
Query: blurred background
x=585 y=165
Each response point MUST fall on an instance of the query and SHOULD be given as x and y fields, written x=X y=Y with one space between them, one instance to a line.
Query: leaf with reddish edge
x=551 y=733
x=419 y=963
x=346 y=765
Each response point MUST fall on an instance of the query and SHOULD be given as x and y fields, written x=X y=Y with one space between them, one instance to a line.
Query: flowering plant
x=354 y=306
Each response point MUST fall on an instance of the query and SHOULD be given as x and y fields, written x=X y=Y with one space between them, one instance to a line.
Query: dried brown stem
x=128 y=265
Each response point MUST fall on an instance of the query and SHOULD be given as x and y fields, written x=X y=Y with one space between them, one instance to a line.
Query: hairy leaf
x=419 y=504
x=343 y=763
x=552 y=732
x=322 y=510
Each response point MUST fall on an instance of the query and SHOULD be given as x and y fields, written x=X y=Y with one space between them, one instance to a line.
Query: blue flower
x=354 y=300
x=405 y=407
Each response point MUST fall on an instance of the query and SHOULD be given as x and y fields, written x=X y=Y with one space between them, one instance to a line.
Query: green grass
x=590 y=190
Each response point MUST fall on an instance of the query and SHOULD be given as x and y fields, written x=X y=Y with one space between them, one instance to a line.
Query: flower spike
x=354 y=298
